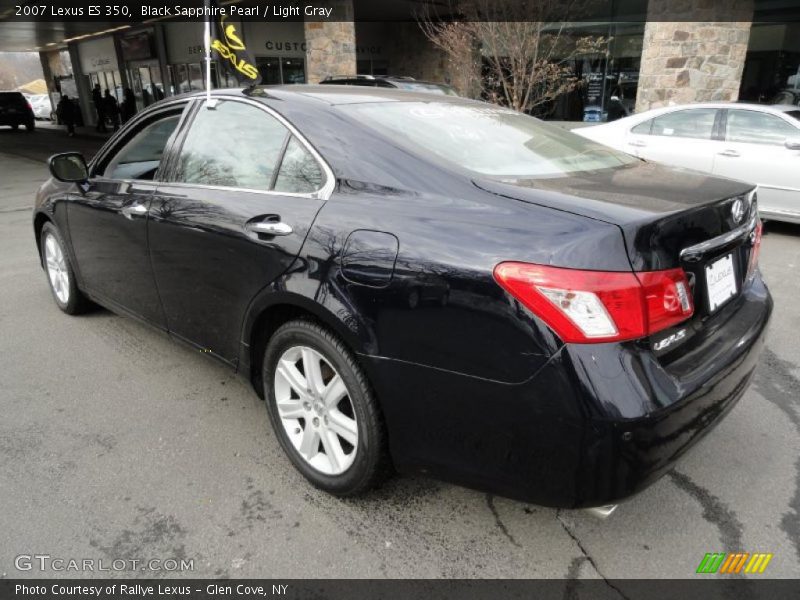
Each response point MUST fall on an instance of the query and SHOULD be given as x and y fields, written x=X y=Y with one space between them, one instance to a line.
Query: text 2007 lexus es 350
x=425 y=282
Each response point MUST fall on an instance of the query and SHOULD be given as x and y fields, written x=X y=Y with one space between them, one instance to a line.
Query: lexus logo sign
x=737 y=211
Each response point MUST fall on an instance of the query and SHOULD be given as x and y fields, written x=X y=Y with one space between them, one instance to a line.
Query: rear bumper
x=597 y=424
x=21 y=119
x=687 y=399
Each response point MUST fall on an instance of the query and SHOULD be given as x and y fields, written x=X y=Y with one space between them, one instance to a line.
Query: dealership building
x=675 y=51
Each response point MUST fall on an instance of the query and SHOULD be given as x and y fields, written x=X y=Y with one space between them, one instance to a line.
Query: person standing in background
x=66 y=114
x=111 y=109
x=128 y=105
x=97 y=98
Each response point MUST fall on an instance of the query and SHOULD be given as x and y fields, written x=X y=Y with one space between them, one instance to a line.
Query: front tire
x=60 y=274
x=323 y=409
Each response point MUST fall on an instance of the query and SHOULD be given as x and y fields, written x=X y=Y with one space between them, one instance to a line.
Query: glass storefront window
x=270 y=69
x=196 y=80
x=368 y=66
x=293 y=70
x=276 y=70
x=181 y=79
x=170 y=80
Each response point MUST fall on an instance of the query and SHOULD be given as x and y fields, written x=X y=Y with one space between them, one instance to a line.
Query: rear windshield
x=428 y=88
x=486 y=139
x=794 y=114
x=12 y=99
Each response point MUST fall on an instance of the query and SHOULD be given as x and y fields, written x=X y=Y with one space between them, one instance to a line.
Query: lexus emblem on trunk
x=737 y=211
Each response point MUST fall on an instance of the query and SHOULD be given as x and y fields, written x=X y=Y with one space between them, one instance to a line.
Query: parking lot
x=116 y=443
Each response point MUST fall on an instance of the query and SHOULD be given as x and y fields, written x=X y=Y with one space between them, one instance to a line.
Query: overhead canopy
x=30 y=36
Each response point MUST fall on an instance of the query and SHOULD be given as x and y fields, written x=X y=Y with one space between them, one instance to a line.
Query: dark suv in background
x=15 y=110
x=387 y=81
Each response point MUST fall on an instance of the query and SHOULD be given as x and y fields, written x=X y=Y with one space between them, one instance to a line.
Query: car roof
x=643 y=116
x=332 y=95
x=731 y=105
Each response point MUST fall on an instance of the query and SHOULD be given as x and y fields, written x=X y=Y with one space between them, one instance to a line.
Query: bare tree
x=514 y=53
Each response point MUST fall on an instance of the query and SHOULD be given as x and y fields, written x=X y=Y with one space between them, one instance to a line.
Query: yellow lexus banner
x=226 y=42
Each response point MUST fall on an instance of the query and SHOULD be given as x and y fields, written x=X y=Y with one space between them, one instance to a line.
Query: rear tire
x=30 y=126
x=59 y=271
x=323 y=410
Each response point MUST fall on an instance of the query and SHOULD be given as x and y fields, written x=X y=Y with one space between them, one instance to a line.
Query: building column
x=331 y=46
x=82 y=85
x=697 y=59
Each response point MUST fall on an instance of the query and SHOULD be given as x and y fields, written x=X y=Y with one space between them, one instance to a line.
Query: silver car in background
x=751 y=142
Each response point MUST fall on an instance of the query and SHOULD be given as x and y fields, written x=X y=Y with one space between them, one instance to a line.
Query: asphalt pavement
x=116 y=443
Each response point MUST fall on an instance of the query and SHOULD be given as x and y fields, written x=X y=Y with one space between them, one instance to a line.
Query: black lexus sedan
x=424 y=282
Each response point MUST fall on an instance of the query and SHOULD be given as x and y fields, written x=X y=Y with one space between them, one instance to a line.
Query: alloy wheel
x=57 y=269
x=315 y=409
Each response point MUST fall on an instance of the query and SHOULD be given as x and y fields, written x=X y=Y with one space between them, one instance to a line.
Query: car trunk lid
x=669 y=218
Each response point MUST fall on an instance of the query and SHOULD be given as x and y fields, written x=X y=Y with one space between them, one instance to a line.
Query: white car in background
x=42 y=108
x=750 y=142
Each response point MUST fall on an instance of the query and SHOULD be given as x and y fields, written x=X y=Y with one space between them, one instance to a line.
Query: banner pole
x=207 y=44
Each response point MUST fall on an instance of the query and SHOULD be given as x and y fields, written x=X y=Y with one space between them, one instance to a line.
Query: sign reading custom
x=227 y=42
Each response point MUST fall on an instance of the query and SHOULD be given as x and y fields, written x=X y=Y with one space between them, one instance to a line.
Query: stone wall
x=693 y=60
x=331 y=46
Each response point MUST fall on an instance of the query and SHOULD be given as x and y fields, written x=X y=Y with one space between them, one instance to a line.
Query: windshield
x=487 y=139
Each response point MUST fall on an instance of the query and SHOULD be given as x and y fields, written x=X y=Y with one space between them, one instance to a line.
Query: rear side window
x=239 y=145
x=299 y=172
x=233 y=145
x=749 y=126
x=696 y=123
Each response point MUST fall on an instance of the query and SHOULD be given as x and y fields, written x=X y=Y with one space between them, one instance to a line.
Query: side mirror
x=792 y=143
x=69 y=166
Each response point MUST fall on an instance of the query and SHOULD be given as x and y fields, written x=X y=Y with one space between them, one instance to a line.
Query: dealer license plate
x=721 y=282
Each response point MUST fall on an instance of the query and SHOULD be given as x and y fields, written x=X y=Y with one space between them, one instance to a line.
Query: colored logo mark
x=734 y=562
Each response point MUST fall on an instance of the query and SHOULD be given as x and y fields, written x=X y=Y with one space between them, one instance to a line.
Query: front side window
x=753 y=127
x=141 y=156
x=239 y=145
x=696 y=123
x=486 y=139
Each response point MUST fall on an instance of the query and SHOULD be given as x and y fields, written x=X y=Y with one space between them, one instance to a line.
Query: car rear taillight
x=599 y=306
x=755 y=249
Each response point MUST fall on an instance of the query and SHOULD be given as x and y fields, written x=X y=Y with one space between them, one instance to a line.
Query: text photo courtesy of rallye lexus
x=424 y=282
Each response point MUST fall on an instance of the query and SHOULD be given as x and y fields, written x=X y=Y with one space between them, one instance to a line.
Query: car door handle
x=638 y=143
x=731 y=153
x=134 y=209
x=270 y=227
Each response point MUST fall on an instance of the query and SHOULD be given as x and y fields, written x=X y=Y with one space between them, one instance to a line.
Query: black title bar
x=119 y=11
x=708 y=587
